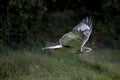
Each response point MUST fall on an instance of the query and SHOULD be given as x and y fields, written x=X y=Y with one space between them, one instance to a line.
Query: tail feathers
x=52 y=47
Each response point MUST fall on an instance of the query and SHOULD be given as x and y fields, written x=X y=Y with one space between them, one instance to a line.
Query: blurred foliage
x=31 y=22
x=102 y=64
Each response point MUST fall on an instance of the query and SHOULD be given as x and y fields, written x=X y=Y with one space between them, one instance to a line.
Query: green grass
x=31 y=65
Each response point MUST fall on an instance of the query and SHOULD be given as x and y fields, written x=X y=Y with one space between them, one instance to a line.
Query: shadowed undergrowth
x=30 y=65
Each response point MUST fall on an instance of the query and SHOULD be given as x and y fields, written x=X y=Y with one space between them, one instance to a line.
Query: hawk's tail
x=52 y=47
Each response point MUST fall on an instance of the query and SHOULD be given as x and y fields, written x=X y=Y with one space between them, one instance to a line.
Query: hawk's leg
x=86 y=49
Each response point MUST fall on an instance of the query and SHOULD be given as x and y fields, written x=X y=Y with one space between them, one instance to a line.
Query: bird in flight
x=76 y=39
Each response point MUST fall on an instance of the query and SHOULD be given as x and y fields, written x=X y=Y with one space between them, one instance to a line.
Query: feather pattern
x=85 y=26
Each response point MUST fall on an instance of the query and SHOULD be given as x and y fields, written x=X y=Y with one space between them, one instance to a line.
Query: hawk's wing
x=73 y=38
x=84 y=28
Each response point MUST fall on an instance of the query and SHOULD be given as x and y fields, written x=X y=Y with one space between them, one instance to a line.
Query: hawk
x=76 y=39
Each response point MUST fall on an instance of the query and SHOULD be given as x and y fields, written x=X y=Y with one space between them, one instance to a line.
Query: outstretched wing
x=84 y=28
x=85 y=24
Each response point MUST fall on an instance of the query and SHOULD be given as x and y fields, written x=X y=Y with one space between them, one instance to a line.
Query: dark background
x=35 y=22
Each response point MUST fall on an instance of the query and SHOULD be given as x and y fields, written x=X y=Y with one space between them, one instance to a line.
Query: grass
x=31 y=65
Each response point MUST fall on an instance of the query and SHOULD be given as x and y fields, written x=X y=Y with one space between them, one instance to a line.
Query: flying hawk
x=76 y=39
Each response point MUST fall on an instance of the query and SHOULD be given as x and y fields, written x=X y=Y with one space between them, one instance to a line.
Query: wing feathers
x=52 y=47
x=85 y=24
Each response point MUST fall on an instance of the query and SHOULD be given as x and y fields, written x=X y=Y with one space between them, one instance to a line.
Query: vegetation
x=29 y=23
x=32 y=65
